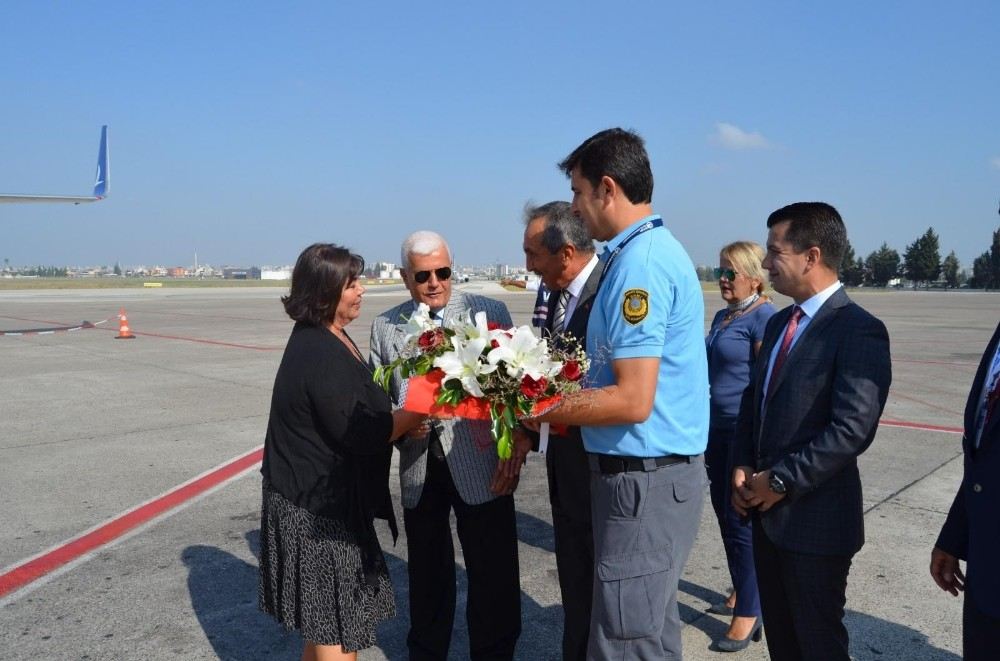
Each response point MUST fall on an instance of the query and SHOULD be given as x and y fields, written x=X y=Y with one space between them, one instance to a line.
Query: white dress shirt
x=575 y=288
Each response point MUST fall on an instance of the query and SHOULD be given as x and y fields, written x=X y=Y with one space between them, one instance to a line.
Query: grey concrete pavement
x=90 y=427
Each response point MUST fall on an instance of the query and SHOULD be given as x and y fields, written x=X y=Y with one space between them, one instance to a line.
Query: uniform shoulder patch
x=635 y=305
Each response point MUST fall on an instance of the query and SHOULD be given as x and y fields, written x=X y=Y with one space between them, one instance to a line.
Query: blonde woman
x=732 y=343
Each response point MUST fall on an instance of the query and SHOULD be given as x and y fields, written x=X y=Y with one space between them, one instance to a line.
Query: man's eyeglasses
x=728 y=274
x=443 y=273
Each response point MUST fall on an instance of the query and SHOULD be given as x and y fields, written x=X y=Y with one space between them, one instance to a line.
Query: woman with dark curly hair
x=326 y=468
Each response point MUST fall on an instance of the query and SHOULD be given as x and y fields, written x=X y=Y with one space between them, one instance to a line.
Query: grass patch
x=139 y=283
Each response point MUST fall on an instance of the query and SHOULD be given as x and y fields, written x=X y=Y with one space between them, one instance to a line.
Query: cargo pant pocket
x=632 y=591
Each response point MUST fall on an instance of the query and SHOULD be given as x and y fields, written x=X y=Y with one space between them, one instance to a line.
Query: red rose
x=531 y=388
x=431 y=339
x=494 y=344
x=571 y=370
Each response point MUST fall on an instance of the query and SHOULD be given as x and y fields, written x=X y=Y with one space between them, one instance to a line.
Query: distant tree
x=118 y=269
x=852 y=270
x=981 y=271
x=995 y=261
x=922 y=258
x=882 y=265
x=952 y=270
x=986 y=267
x=706 y=273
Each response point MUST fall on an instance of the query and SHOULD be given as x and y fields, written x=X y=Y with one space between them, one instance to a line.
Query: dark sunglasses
x=443 y=273
x=728 y=274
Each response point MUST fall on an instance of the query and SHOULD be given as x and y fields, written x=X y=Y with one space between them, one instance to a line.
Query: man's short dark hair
x=618 y=154
x=814 y=224
x=561 y=227
x=320 y=275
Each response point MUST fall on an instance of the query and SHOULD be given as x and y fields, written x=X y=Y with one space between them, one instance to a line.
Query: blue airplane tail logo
x=101 y=180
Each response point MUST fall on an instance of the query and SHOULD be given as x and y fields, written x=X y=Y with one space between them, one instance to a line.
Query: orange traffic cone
x=124 y=332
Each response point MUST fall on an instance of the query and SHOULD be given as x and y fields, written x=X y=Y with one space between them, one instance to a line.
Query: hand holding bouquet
x=470 y=367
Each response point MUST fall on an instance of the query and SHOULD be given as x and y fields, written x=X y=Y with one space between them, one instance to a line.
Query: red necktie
x=786 y=343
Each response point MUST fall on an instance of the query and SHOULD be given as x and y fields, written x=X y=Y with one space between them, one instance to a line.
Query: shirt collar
x=617 y=240
x=576 y=287
x=811 y=305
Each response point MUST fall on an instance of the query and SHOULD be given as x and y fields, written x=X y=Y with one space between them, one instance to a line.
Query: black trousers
x=737 y=532
x=569 y=494
x=802 y=598
x=979 y=632
x=488 y=534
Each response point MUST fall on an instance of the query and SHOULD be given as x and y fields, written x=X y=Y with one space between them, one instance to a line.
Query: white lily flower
x=464 y=363
x=468 y=328
x=523 y=354
x=418 y=323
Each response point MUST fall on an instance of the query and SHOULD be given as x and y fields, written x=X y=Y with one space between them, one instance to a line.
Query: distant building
x=282 y=273
x=177 y=272
x=240 y=273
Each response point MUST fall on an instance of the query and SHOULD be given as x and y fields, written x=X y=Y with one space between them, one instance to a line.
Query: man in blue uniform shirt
x=645 y=413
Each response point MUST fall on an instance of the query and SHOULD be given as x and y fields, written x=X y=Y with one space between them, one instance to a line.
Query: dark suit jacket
x=971 y=531
x=823 y=413
x=577 y=326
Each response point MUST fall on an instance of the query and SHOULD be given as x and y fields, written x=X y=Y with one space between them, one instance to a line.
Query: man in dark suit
x=558 y=248
x=971 y=532
x=811 y=408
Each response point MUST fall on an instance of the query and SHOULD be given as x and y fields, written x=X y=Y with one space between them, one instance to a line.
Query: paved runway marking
x=254 y=347
x=83 y=325
x=199 y=340
x=931 y=405
x=922 y=427
x=87 y=543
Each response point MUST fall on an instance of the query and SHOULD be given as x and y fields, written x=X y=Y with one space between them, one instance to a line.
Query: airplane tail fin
x=102 y=182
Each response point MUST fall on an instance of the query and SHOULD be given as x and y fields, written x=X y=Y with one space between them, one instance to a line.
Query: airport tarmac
x=93 y=428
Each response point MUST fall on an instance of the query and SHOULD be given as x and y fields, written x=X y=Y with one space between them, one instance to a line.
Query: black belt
x=611 y=464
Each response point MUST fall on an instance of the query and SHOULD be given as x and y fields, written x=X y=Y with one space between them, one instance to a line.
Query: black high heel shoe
x=720 y=609
x=725 y=644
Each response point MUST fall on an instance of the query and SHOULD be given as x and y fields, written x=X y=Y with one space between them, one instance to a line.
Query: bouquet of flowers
x=474 y=369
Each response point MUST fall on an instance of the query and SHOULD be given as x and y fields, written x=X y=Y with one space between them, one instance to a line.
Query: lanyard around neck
x=645 y=227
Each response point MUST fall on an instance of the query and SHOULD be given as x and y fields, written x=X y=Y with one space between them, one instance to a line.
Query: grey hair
x=422 y=242
x=561 y=227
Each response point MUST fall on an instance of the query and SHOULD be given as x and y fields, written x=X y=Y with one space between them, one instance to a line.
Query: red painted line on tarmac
x=921 y=426
x=35 y=568
x=199 y=340
x=219 y=343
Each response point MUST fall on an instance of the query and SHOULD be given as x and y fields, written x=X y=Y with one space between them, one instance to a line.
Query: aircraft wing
x=13 y=199
x=102 y=183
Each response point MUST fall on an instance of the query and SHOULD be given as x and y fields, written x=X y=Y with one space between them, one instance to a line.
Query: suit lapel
x=550 y=304
x=398 y=325
x=577 y=324
x=774 y=331
x=976 y=392
x=803 y=345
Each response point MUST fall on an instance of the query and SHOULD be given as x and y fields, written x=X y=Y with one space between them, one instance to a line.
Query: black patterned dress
x=326 y=472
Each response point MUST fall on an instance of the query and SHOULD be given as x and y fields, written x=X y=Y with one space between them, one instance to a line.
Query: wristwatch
x=776 y=484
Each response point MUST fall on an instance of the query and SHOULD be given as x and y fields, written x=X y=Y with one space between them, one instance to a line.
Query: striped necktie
x=559 y=315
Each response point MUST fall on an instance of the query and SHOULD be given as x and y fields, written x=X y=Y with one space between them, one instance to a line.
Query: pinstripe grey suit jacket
x=467 y=444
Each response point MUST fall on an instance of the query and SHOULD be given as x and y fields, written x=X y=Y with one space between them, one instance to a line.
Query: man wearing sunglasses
x=447 y=465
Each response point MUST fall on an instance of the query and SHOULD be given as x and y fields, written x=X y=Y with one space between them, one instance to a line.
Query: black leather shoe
x=720 y=609
x=725 y=644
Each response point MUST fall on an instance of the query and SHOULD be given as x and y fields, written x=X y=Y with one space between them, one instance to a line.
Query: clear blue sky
x=247 y=130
